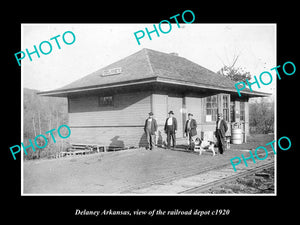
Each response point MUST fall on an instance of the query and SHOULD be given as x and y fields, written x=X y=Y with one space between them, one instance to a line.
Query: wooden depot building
x=109 y=107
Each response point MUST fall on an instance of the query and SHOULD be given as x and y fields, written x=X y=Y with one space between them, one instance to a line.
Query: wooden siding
x=175 y=103
x=161 y=105
x=160 y=108
x=194 y=105
x=129 y=109
x=160 y=111
x=121 y=124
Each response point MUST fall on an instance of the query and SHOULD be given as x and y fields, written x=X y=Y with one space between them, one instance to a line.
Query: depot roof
x=149 y=65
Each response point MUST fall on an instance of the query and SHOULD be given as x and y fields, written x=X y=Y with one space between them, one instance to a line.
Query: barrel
x=237 y=136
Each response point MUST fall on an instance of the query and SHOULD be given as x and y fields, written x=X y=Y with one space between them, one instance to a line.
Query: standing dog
x=203 y=145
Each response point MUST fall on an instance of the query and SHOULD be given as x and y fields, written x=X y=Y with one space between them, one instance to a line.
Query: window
x=105 y=101
x=226 y=108
x=211 y=108
x=242 y=111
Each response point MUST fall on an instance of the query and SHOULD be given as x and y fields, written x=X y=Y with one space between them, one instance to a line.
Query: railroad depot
x=109 y=107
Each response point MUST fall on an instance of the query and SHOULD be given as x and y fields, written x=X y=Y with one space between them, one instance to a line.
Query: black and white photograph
x=172 y=109
x=148 y=113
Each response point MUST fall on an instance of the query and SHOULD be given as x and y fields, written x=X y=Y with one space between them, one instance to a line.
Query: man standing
x=190 y=131
x=170 y=129
x=221 y=128
x=150 y=128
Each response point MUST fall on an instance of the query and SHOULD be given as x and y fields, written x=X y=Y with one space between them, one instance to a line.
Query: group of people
x=190 y=131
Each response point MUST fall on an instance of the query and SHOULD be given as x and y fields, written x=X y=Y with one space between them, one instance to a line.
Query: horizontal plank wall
x=122 y=124
x=160 y=111
x=118 y=125
x=129 y=109
x=160 y=108
x=194 y=105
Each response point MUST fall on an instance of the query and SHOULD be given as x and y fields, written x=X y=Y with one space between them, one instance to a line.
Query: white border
x=67 y=194
x=22 y=124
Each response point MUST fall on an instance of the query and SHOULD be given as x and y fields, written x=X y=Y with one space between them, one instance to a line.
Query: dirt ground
x=254 y=141
x=111 y=172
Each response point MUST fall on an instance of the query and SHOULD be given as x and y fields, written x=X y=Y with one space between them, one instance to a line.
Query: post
x=246 y=120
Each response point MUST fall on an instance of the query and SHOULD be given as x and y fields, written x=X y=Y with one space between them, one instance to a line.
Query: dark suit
x=193 y=125
x=190 y=131
x=150 y=128
x=220 y=135
x=171 y=130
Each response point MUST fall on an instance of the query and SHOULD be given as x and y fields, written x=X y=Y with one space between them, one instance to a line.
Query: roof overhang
x=67 y=92
x=167 y=81
x=214 y=87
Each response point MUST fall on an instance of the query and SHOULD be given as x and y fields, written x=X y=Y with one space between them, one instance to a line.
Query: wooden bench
x=98 y=147
x=77 y=152
x=82 y=149
x=62 y=154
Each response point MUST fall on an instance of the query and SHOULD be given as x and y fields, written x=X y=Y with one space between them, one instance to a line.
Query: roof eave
x=66 y=92
x=70 y=91
x=214 y=87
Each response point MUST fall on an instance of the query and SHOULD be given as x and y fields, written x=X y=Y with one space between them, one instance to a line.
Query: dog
x=204 y=145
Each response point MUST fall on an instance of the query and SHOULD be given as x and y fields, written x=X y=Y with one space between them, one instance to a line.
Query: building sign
x=113 y=71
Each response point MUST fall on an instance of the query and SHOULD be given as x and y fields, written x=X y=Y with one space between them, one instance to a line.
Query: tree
x=261 y=116
x=41 y=114
x=235 y=74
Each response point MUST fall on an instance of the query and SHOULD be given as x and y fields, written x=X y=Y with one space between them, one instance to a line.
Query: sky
x=98 y=45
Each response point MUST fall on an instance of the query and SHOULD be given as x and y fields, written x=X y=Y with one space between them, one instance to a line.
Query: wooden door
x=175 y=103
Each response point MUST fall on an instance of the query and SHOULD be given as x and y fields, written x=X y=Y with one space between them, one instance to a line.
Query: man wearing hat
x=190 y=130
x=150 y=128
x=221 y=128
x=170 y=129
